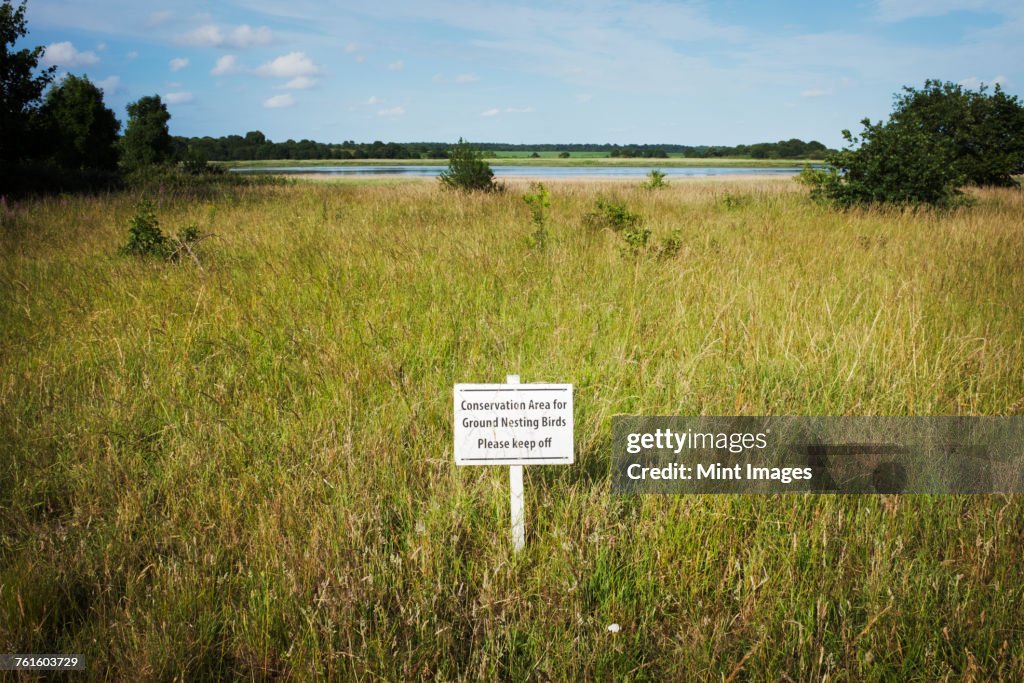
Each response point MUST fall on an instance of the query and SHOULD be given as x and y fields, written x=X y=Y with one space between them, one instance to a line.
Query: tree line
x=255 y=146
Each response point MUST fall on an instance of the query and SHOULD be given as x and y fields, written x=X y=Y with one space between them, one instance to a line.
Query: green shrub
x=636 y=239
x=539 y=201
x=612 y=215
x=655 y=180
x=467 y=170
x=145 y=238
x=936 y=140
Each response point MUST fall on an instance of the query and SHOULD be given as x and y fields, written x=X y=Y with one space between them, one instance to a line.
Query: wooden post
x=515 y=486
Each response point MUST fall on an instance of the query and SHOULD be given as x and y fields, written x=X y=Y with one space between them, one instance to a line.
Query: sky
x=720 y=73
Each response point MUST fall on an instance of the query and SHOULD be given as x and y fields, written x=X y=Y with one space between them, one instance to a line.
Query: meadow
x=241 y=467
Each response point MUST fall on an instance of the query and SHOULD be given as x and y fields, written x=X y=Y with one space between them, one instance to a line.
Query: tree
x=936 y=140
x=82 y=131
x=20 y=90
x=986 y=131
x=467 y=170
x=146 y=138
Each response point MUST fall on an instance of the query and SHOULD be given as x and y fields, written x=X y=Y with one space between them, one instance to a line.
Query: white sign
x=513 y=424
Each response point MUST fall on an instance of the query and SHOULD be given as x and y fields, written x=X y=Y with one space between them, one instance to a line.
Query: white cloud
x=227 y=64
x=132 y=55
x=211 y=35
x=157 y=19
x=490 y=112
x=110 y=85
x=351 y=48
x=461 y=78
x=901 y=10
x=373 y=100
x=64 y=54
x=393 y=111
x=291 y=65
x=585 y=97
x=178 y=97
x=300 y=83
x=973 y=83
x=815 y=92
x=178 y=63
x=396 y=65
x=247 y=36
x=278 y=102
x=100 y=47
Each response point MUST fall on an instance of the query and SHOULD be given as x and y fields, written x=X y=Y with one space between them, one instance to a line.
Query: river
x=532 y=171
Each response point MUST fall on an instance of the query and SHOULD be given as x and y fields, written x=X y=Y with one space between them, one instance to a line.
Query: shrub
x=145 y=238
x=655 y=180
x=636 y=239
x=468 y=171
x=539 y=201
x=612 y=215
x=936 y=140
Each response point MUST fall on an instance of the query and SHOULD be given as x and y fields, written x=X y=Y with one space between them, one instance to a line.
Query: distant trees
x=20 y=89
x=937 y=139
x=255 y=146
x=467 y=170
x=147 y=140
x=80 y=130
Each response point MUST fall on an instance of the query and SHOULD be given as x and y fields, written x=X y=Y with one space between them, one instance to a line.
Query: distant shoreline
x=671 y=162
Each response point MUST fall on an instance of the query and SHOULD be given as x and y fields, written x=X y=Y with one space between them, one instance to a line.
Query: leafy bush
x=468 y=171
x=655 y=180
x=539 y=201
x=636 y=238
x=612 y=215
x=145 y=238
x=936 y=140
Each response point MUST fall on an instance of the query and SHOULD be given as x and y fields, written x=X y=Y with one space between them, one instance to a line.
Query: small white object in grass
x=613 y=628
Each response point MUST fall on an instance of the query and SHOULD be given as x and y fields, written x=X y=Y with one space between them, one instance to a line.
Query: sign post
x=514 y=424
x=515 y=491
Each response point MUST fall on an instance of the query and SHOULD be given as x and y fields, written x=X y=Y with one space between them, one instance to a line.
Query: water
x=535 y=171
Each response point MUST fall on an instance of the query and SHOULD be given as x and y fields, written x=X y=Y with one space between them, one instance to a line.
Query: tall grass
x=245 y=470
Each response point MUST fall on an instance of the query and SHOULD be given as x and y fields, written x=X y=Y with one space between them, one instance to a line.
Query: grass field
x=549 y=160
x=244 y=469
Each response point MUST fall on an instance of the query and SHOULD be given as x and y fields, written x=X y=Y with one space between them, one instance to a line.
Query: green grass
x=244 y=470
x=545 y=160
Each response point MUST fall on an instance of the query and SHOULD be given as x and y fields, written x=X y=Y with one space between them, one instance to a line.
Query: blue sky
x=726 y=72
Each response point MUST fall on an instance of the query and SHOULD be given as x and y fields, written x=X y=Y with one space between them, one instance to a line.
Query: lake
x=534 y=171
